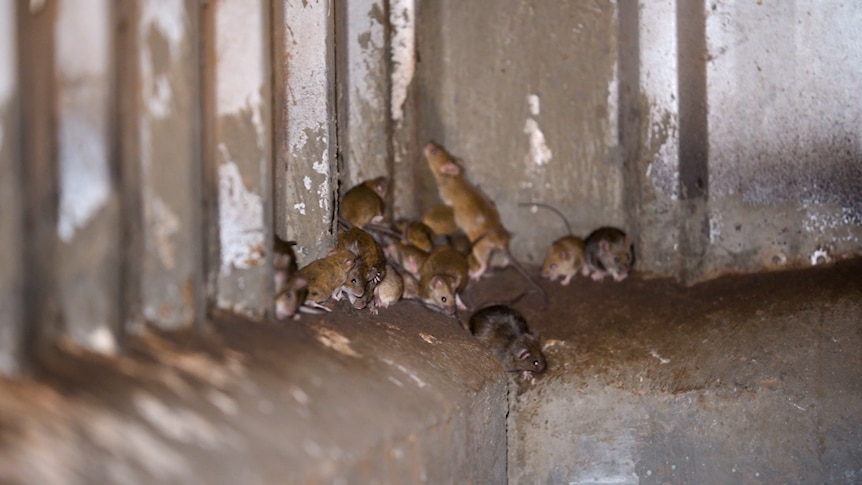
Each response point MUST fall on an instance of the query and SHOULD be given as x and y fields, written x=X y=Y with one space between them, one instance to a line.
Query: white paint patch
x=540 y=154
x=335 y=341
x=306 y=182
x=820 y=256
x=102 y=340
x=81 y=41
x=223 y=402
x=165 y=225
x=403 y=21
x=409 y=373
x=661 y=359
x=178 y=424
x=299 y=207
x=429 y=338
x=241 y=222
x=534 y=104
x=715 y=227
x=168 y=18
x=613 y=133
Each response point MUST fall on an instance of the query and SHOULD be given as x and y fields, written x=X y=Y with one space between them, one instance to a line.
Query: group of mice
x=433 y=259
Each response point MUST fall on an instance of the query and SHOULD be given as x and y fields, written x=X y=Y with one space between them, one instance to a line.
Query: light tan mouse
x=407 y=257
x=364 y=203
x=441 y=280
x=565 y=256
x=325 y=277
x=416 y=233
x=389 y=291
x=475 y=213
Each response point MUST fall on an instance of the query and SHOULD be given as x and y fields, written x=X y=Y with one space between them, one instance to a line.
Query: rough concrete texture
x=306 y=182
x=744 y=379
x=525 y=93
x=403 y=397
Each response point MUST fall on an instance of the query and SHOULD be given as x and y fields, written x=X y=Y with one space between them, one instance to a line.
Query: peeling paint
x=81 y=43
x=240 y=218
x=167 y=17
x=306 y=182
x=540 y=154
x=534 y=104
x=403 y=21
x=299 y=207
x=820 y=256
x=239 y=29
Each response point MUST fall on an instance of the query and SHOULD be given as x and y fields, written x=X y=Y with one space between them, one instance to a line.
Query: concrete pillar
x=304 y=125
x=364 y=121
x=170 y=172
x=87 y=254
x=403 y=98
x=12 y=316
x=241 y=146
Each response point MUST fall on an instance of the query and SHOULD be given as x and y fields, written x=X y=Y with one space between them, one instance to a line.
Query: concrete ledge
x=403 y=397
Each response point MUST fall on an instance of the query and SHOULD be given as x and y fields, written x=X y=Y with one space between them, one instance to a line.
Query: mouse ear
x=437 y=282
x=604 y=245
x=524 y=354
x=565 y=254
x=381 y=186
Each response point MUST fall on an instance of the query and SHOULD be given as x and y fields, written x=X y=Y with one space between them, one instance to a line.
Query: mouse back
x=504 y=332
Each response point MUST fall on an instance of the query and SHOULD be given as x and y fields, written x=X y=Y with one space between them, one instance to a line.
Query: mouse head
x=355 y=281
x=527 y=354
x=379 y=185
x=440 y=294
x=617 y=257
x=441 y=162
x=289 y=300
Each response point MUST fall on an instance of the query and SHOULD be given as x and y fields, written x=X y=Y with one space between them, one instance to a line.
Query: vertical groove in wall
x=210 y=242
x=406 y=158
x=38 y=155
x=127 y=89
x=693 y=134
x=12 y=269
x=693 y=138
x=629 y=116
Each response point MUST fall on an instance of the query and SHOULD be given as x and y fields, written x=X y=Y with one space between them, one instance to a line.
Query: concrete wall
x=718 y=133
x=526 y=95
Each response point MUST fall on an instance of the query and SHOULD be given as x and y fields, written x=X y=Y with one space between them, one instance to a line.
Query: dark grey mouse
x=504 y=332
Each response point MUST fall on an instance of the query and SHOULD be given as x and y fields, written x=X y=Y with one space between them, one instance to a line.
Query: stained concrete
x=745 y=379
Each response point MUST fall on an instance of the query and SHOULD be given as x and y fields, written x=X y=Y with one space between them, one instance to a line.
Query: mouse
x=364 y=246
x=389 y=291
x=608 y=251
x=326 y=276
x=441 y=280
x=289 y=287
x=416 y=233
x=408 y=257
x=364 y=203
x=565 y=257
x=474 y=212
x=504 y=331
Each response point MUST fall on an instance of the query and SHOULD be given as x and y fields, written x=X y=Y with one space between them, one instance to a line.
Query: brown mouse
x=504 y=332
x=325 y=276
x=608 y=251
x=364 y=203
x=565 y=257
x=441 y=220
x=442 y=278
x=407 y=257
x=364 y=245
x=475 y=213
x=416 y=233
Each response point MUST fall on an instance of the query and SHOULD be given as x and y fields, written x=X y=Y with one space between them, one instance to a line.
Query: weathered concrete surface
x=404 y=397
x=242 y=146
x=744 y=379
x=525 y=93
x=306 y=176
x=88 y=244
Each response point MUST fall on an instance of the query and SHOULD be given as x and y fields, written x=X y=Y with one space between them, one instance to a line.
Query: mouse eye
x=535 y=363
x=353 y=281
x=554 y=266
x=443 y=299
x=433 y=151
x=617 y=260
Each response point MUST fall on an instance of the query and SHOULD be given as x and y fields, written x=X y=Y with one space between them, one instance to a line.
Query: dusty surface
x=749 y=379
x=745 y=379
